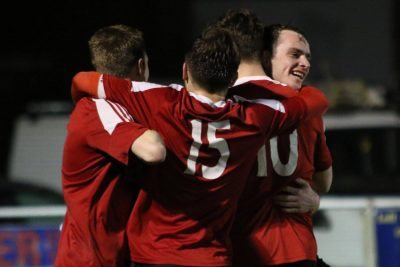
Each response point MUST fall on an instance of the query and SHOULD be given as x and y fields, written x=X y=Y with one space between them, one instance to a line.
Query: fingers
x=298 y=198
x=287 y=203
x=294 y=204
x=291 y=206
x=295 y=190
x=291 y=190
x=302 y=182
x=293 y=210
x=285 y=198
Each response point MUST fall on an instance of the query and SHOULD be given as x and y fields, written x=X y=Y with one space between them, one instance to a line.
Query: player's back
x=190 y=199
x=184 y=212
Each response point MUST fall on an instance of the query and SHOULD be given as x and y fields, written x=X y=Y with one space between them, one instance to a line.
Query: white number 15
x=208 y=172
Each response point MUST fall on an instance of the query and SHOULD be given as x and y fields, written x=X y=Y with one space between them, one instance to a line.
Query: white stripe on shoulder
x=272 y=103
x=176 y=86
x=109 y=116
x=101 y=93
x=246 y=79
x=144 y=86
x=121 y=111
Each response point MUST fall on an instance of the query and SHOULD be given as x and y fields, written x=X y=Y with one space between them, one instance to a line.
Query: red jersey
x=98 y=195
x=262 y=234
x=185 y=209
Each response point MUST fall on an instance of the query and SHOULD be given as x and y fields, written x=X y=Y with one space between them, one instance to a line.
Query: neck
x=250 y=68
x=214 y=97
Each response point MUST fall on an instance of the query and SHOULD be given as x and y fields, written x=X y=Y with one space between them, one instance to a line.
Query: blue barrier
x=387 y=221
x=28 y=246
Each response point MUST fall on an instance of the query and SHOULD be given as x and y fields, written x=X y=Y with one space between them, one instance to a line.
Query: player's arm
x=149 y=147
x=261 y=89
x=85 y=84
x=307 y=104
x=109 y=128
x=304 y=197
x=315 y=101
x=298 y=198
x=322 y=180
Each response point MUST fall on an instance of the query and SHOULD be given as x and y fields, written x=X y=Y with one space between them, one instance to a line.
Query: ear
x=266 y=62
x=141 y=67
x=136 y=71
x=185 y=75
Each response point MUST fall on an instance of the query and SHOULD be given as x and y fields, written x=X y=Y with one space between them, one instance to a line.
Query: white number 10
x=208 y=172
x=280 y=168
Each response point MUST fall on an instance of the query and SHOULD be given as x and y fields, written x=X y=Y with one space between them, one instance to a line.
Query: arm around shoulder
x=315 y=101
x=84 y=84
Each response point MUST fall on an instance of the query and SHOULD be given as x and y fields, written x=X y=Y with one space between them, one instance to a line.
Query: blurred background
x=355 y=61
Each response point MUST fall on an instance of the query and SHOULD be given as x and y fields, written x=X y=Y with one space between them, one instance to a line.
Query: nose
x=305 y=62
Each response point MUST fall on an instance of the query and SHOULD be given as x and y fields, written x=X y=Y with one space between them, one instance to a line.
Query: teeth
x=298 y=74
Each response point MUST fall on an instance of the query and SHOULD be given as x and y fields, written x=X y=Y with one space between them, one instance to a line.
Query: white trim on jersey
x=206 y=100
x=121 y=111
x=272 y=103
x=176 y=86
x=110 y=114
x=101 y=93
x=144 y=86
x=256 y=78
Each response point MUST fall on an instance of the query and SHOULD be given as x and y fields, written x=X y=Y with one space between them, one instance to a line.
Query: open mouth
x=299 y=74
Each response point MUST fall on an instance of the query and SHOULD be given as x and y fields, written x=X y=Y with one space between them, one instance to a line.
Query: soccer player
x=102 y=141
x=264 y=234
x=186 y=206
x=288 y=61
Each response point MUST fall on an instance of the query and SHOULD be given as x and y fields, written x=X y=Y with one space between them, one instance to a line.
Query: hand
x=298 y=199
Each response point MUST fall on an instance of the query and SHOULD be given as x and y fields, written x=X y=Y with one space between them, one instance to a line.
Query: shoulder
x=262 y=88
x=310 y=86
x=146 y=86
x=88 y=107
x=85 y=103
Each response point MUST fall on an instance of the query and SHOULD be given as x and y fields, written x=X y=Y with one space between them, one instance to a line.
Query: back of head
x=115 y=49
x=213 y=60
x=247 y=30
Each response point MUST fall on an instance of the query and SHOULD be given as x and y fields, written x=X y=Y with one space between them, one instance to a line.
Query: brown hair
x=115 y=49
x=213 y=60
x=246 y=29
x=272 y=33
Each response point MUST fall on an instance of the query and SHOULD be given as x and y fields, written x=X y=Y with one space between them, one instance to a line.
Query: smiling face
x=290 y=61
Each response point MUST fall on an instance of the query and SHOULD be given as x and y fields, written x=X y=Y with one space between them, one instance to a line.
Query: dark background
x=44 y=43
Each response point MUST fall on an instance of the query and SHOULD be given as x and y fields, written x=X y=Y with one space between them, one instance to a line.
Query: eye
x=295 y=54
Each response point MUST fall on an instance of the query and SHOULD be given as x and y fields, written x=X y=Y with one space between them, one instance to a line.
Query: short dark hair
x=270 y=41
x=213 y=60
x=272 y=33
x=115 y=49
x=247 y=30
